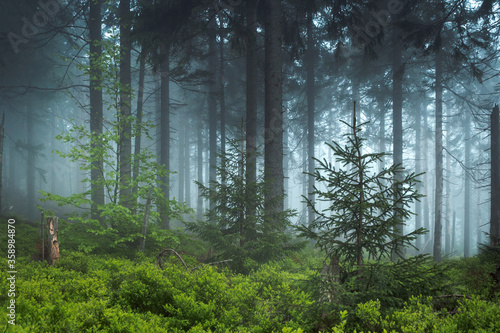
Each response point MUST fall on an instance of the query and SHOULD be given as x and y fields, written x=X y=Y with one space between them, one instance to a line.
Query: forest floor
x=130 y=293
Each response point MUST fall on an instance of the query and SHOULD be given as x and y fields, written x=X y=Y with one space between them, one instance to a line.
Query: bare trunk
x=495 y=178
x=273 y=120
x=467 y=185
x=125 y=149
x=187 y=163
x=381 y=144
x=146 y=220
x=310 y=90
x=397 y=118
x=447 y=218
x=30 y=162
x=137 y=142
x=96 y=173
x=251 y=104
x=182 y=164
x=199 y=150
x=418 y=170
x=212 y=105
x=426 y=199
x=438 y=197
x=165 y=128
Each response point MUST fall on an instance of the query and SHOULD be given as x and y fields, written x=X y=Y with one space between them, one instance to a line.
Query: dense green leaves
x=118 y=228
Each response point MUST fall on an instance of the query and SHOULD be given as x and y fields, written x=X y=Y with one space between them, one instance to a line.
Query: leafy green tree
x=236 y=224
x=365 y=207
x=115 y=222
x=118 y=227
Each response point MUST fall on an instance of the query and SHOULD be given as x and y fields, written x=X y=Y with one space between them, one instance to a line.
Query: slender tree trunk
x=96 y=173
x=495 y=178
x=447 y=219
x=182 y=164
x=273 y=120
x=427 y=182
x=286 y=162
x=222 y=100
x=381 y=142
x=137 y=142
x=212 y=105
x=397 y=116
x=199 y=150
x=418 y=170
x=454 y=232
x=187 y=163
x=467 y=186
x=165 y=128
x=310 y=91
x=30 y=161
x=251 y=104
x=479 y=218
x=438 y=197
x=125 y=149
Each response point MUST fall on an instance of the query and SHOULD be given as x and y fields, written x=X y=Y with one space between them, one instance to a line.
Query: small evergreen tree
x=364 y=207
x=230 y=228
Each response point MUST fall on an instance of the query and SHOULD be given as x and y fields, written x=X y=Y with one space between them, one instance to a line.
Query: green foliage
x=235 y=225
x=419 y=315
x=116 y=295
x=365 y=208
x=119 y=228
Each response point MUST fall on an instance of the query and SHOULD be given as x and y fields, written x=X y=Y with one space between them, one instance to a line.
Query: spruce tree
x=235 y=226
x=365 y=206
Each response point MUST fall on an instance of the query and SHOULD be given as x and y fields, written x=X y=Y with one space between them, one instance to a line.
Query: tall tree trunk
x=286 y=162
x=447 y=219
x=96 y=173
x=30 y=162
x=125 y=149
x=199 y=151
x=397 y=117
x=454 y=232
x=310 y=91
x=187 y=163
x=438 y=197
x=222 y=100
x=273 y=120
x=138 y=136
x=182 y=164
x=467 y=186
x=165 y=128
x=418 y=170
x=495 y=178
x=381 y=142
x=251 y=104
x=427 y=182
x=212 y=105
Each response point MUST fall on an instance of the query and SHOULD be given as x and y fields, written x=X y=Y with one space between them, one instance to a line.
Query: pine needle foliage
x=234 y=233
x=365 y=207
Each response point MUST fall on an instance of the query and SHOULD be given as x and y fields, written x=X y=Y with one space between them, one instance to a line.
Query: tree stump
x=52 y=237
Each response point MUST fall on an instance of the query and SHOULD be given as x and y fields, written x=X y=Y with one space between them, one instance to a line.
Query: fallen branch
x=158 y=261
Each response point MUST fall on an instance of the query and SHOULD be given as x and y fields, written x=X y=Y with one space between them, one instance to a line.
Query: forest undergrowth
x=128 y=292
